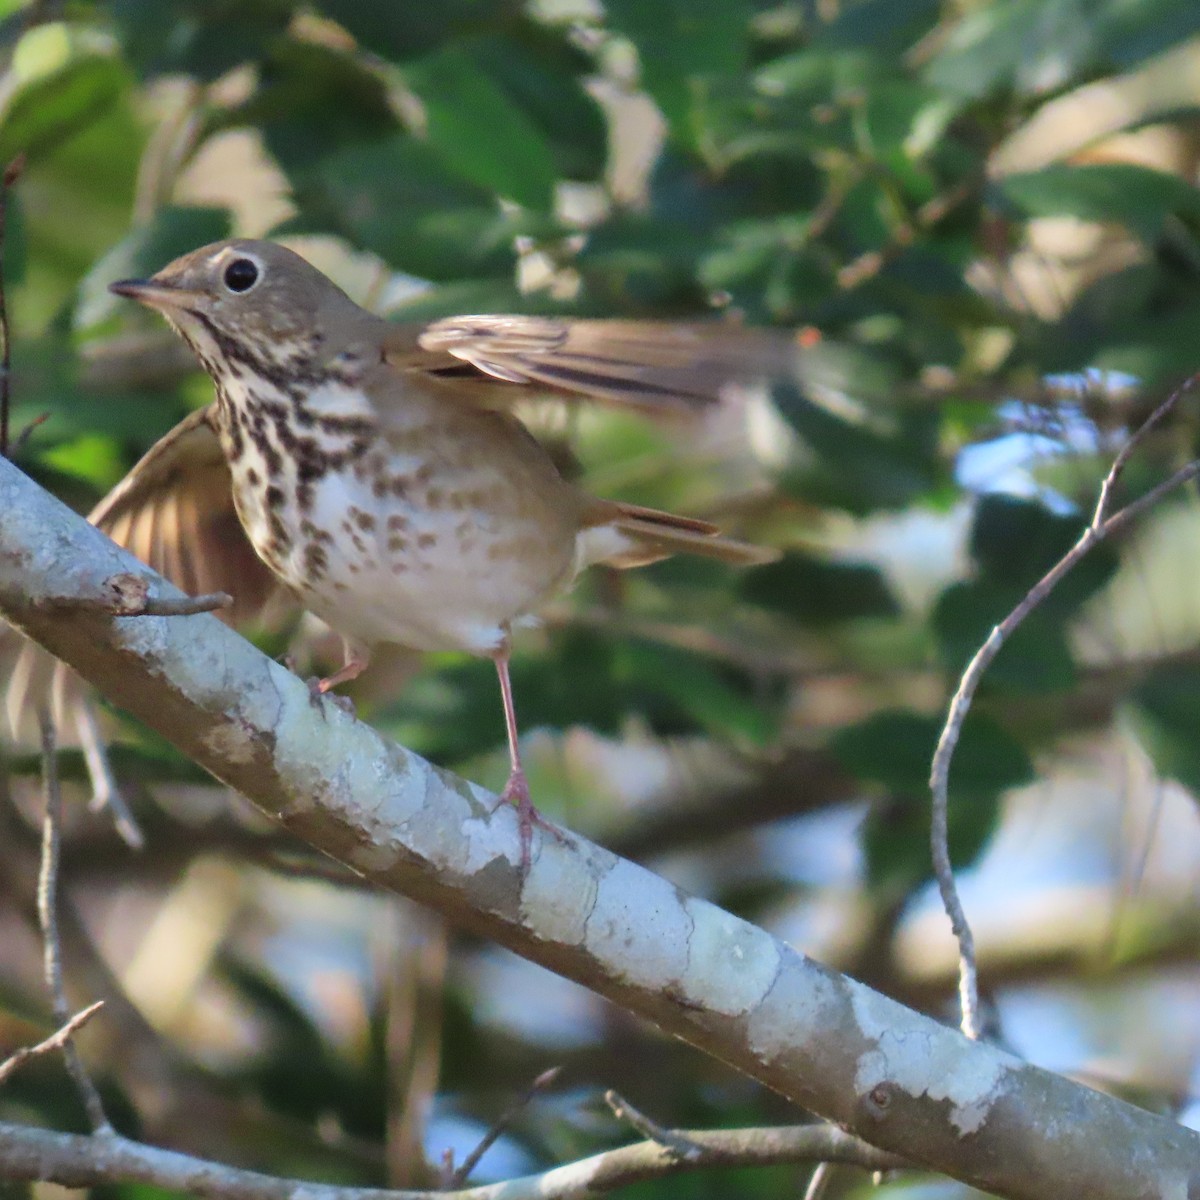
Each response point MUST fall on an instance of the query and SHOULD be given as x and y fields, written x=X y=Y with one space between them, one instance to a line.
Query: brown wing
x=647 y=365
x=175 y=512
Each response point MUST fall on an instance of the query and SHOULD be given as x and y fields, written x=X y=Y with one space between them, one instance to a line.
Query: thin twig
x=47 y=897
x=543 y=1081
x=679 y=1144
x=56 y=1041
x=77 y=1161
x=818 y=1181
x=1102 y=526
x=18 y=443
x=128 y=595
x=11 y=174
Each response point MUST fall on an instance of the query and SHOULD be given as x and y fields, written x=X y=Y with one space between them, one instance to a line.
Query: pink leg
x=516 y=790
x=357 y=660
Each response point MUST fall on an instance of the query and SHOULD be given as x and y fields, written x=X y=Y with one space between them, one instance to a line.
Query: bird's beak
x=155 y=293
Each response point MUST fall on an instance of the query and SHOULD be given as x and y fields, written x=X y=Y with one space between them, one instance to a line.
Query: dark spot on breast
x=316 y=561
x=427 y=540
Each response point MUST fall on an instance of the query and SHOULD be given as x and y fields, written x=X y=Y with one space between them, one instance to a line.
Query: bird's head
x=243 y=303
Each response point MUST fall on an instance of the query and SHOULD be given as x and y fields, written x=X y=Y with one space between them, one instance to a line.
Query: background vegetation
x=980 y=222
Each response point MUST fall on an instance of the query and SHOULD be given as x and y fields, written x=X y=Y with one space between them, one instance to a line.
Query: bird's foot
x=319 y=691
x=516 y=793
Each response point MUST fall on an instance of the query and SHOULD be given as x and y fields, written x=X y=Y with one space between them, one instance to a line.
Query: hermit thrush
x=375 y=470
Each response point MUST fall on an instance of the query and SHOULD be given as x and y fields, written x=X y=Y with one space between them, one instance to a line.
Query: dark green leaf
x=401 y=32
x=852 y=466
x=313 y=100
x=174 y=231
x=894 y=750
x=817 y=592
x=480 y=132
x=54 y=107
x=203 y=38
x=1136 y=196
x=396 y=199
x=1165 y=709
x=543 y=75
x=682 y=46
x=886 y=25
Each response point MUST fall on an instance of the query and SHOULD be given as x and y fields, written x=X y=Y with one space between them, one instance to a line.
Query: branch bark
x=897 y=1079
x=76 y=1161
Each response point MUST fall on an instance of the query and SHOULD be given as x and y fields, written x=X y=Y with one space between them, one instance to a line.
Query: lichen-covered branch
x=893 y=1077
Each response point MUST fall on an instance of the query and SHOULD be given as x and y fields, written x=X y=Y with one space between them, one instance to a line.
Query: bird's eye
x=241 y=275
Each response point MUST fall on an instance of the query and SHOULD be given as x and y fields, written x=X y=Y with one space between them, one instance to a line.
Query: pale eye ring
x=241 y=275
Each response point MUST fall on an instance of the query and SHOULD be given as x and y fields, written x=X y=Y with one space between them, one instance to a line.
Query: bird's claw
x=319 y=692
x=516 y=793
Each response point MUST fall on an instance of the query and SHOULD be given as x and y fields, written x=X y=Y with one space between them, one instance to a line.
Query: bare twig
x=56 y=1041
x=932 y=212
x=679 y=1144
x=128 y=595
x=18 y=443
x=47 y=896
x=1104 y=524
x=11 y=173
x=543 y=1081
x=77 y=1161
x=818 y=1181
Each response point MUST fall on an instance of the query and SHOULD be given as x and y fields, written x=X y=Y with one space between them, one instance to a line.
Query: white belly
x=430 y=585
x=428 y=574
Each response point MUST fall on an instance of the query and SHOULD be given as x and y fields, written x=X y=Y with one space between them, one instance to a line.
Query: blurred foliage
x=936 y=199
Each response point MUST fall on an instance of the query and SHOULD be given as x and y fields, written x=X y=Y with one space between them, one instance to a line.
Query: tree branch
x=1104 y=524
x=76 y=1161
x=897 y=1079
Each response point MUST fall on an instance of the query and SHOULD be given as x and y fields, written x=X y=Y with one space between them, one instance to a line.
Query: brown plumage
x=376 y=471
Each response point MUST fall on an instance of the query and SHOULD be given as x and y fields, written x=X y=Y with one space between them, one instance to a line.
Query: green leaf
x=397 y=199
x=894 y=749
x=1036 y=658
x=543 y=75
x=852 y=466
x=202 y=38
x=817 y=592
x=1138 y=197
x=1031 y=46
x=402 y=32
x=682 y=47
x=53 y=107
x=312 y=101
x=172 y=232
x=1015 y=541
x=479 y=132
x=885 y=25
x=1165 y=713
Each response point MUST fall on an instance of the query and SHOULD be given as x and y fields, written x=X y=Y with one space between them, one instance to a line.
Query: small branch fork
x=56 y=1041
x=1104 y=524
x=128 y=595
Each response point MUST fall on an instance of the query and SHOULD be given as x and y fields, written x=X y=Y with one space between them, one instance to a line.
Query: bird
x=377 y=469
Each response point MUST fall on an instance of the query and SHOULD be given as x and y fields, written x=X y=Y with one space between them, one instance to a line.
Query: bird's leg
x=357 y=659
x=516 y=790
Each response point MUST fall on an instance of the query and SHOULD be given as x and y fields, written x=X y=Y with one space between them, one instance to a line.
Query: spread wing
x=647 y=365
x=175 y=512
